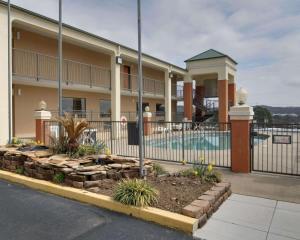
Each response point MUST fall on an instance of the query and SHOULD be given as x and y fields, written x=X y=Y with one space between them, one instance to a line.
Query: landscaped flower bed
x=196 y=192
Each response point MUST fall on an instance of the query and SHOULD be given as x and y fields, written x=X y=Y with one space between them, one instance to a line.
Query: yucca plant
x=135 y=192
x=73 y=127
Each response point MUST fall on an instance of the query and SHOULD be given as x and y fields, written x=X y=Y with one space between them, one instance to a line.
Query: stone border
x=173 y=220
x=208 y=202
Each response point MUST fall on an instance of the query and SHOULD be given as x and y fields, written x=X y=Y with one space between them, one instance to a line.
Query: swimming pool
x=198 y=141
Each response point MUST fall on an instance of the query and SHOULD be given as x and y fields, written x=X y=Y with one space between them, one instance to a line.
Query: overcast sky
x=263 y=36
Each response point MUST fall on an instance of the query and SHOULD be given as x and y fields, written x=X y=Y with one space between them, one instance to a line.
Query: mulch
x=175 y=192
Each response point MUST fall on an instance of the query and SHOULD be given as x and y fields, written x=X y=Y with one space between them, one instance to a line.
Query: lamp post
x=60 y=60
x=9 y=75
x=140 y=102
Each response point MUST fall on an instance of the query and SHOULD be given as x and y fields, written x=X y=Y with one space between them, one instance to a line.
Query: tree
x=262 y=115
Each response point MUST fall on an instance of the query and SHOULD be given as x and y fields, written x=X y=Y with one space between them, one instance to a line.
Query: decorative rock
x=202 y=220
x=66 y=170
x=192 y=211
x=213 y=193
x=116 y=166
x=77 y=184
x=59 y=158
x=202 y=204
x=90 y=184
x=217 y=204
x=99 y=176
x=94 y=189
x=227 y=185
x=220 y=189
x=210 y=198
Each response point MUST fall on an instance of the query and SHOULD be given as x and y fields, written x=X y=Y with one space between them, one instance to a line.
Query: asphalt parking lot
x=33 y=215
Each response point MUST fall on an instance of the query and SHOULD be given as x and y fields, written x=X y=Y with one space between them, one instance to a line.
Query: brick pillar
x=147 y=123
x=198 y=101
x=223 y=100
x=231 y=94
x=40 y=117
x=240 y=118
x=188 y=100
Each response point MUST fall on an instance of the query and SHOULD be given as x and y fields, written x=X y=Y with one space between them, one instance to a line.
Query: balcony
x=129 y=84
x=32 y=66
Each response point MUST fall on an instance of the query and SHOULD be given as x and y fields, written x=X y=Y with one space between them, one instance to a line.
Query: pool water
x=198 y=141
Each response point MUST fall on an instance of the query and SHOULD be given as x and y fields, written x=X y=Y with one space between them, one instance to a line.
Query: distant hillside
x=283 y=110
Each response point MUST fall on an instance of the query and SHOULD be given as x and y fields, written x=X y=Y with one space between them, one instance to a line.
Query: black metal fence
x=275 y=148
x=167 y=141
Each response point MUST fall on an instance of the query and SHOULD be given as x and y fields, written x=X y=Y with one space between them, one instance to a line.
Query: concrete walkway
x=276 y=187
x=248 y=218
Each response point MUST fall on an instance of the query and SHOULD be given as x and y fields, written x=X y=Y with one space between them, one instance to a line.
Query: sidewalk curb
x=162 y=217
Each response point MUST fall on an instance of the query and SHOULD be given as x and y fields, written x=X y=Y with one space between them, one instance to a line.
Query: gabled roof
x=209 y=54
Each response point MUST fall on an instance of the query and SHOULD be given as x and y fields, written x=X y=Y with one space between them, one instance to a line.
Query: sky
x=263 y=36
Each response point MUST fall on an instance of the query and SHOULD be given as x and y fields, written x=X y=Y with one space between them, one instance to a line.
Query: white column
x=3 y=77
x=168 y=97
x=115 y=94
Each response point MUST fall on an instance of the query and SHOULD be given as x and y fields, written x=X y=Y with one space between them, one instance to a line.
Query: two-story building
x=95 y=85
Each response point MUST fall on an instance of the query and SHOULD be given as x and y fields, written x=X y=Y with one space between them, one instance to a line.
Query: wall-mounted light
x=119 y=60
x=171 y=75
x=18 y=35
x=19 y=92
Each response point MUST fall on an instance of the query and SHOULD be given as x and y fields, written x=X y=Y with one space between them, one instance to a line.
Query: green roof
x=209 y=54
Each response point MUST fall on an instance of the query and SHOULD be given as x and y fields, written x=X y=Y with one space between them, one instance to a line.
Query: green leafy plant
x=84 y=150
x=59 y=145
x=135 y=192
x=188 y=172
x=159 y=169
x=20 y=170
x=213 y=177
x=207 y=173
x=73 y=128
x=59 y=178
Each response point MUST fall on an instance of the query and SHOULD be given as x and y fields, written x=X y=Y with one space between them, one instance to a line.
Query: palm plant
x=73 y=128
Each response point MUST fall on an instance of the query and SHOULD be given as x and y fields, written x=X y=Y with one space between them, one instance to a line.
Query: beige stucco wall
x=3 y=78
x=48 y=46
x=26 y=103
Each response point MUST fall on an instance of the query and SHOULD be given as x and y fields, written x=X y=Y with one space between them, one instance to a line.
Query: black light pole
x=60 y=60
x=140 y=80
x=9 y=75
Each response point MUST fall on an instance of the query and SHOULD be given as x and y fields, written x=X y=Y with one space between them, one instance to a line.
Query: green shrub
x=135 y=192
x=206 y=172
x=84 y=150
x=188 y=172
x=159 y=169
x=213 y=177
x=20 y=170
x=59 y=178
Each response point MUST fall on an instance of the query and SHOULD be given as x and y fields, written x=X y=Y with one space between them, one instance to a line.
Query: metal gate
x=275 y=148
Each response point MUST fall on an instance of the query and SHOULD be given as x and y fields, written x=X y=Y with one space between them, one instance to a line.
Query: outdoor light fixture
x=119 y=60
x=171 y=75
x=242 y=96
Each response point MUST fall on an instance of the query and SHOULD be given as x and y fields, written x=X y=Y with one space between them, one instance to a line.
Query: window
x=74 y=106
x=105 y=108
x=126 y=78
x=144 y=105
x=160 y=109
